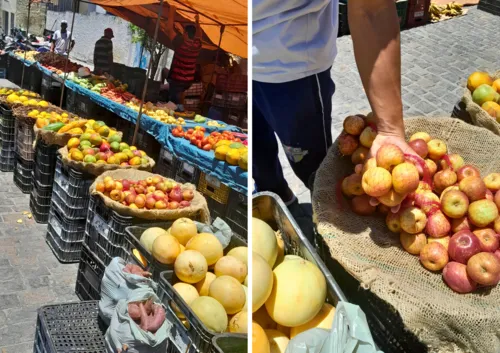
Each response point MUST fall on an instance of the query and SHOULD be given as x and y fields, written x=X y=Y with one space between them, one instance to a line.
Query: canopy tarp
x=232 y=14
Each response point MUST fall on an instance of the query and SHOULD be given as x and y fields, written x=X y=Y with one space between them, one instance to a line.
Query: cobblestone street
x=436 y=61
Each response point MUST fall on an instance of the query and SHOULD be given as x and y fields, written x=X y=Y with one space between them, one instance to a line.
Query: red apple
x=130 y=199
x=150 y=202
x=484 y=268
x=434 y=256
x=104 y=146
x=140 y=201
x=161 y=186
x=126 y=184
x=456 y=277
x=143 y=183
x=488 y=239
x=437 y=225
x=188 y=195
x=173 y=205
x=347 y=144
x=496 y=225
x=389 y=155
x=427 y=201
x=158 y=195
x=413 y=243
x=459 y=224
x=473 y=187
x=175 y=194
x=115 y=195
x=489 y=195
x=467 y=171
x=455 y=204
x=161 y=205
x=419 y=146
x=455 y=160
x=444 y=241
x=444 y=179
x=392 y=221
x=184 y=203
x=463 y=245
x=383 y=209
x=496 y=199
x=139 y=189
x=497 y=254
x=361 y=205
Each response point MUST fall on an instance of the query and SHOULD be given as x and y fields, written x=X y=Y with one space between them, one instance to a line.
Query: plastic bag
x=349 y=334
x=116 y=285
x=124 y=331
x=219 y=228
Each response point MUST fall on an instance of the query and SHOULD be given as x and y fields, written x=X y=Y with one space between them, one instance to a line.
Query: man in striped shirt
x=103 y=53
x=187 y=47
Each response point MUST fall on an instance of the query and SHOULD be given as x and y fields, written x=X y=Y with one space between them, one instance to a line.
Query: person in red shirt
x=187 y=48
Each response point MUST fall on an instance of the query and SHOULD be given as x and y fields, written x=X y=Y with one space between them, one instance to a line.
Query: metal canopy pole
x=26 y=49
x=222 y=28
x=145 y=89
x=76 y=5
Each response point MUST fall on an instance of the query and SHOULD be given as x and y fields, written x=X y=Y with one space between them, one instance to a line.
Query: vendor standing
x=187 y=48
x=103 y=53
x=61 y=43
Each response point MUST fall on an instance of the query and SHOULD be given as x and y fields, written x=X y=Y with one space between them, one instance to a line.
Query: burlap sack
x=442 y=319
x=198 y=208
x=477 y=114
x=98 y=169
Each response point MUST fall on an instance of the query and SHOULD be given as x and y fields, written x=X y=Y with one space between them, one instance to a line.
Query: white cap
x=84 y=72
x=64 y=21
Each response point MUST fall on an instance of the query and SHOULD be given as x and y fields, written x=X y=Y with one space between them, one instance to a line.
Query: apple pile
x=357 y=137
x=92 y=148
x=197 y=137
x=152 y=193
x=444 y=211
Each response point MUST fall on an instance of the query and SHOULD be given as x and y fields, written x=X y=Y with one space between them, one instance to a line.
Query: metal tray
x=270 y=208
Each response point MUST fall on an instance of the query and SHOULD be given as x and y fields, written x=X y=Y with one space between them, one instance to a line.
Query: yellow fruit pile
x=156 y=113
x=44 y=118
x=213 y=295
x=7 y=91
x=485 y=92
x=288 y=292
x=234 y=153
x=25 y=100
x=30 y=55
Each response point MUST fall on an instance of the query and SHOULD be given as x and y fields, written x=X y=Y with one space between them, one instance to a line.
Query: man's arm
x=53 y=42
x=170 y=22
x=198 y=27
x=374 y=27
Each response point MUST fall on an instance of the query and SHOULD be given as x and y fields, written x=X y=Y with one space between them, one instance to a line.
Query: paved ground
x=436 y=61
x=30 y=275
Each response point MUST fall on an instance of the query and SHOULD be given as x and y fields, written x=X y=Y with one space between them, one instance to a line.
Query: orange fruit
x=77 y=156
x=496 y=85
x=477 y=79
x=73 y=142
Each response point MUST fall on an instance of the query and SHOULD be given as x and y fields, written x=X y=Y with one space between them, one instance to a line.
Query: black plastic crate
x=167 y=164
x=178 y=340
x=14 y=70
x=70 y=327
x=51 y=89
x=39 y=213
x=75 y=184
x=491 y=6
x=45 y=179
x=187 y=173
x=23 y=175
x=40 y=201
x=229 y=343
x=66 y=229
x=71 y=207
x=65 y=252
x=25 y=136
x=237 y=216
x=89 y=276
x=7 y=165
x=200 y=336
x=34 y=79
x=86 y=108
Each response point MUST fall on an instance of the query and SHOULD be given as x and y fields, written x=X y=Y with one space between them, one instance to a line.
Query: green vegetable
x=54 y=127
x=236 y=145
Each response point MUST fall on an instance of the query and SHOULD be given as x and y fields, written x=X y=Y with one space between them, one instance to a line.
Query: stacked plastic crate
x=68 y=212
x=24 y=154
x=230 y=98
x=193 y=97
x=43 y=180
x=167 y=164
x=7 y=139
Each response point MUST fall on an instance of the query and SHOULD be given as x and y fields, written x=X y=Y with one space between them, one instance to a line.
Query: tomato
x=187 y=136
x=181 y=134
x=215 y=133
x=203 y=129
x=237 y=140
x=193 y=140
x=204 y=141
x=198 y=144
x=207 y=147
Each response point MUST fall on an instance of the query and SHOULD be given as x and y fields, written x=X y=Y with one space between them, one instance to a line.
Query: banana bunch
x=441 y=12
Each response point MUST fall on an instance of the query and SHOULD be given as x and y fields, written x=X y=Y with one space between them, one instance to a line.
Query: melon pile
x=210 y=282
x=288 y=293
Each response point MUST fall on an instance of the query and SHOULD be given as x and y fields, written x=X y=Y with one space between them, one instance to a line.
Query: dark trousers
x=299 y=113
x=176 y=89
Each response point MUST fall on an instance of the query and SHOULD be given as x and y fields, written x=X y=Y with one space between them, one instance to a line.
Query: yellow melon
x=245 y=307
x=281 y=250
x=263 y=319
x=190 y=266
x=211 y=313
x=203 y=285
x=241 y=253
x=208 y=245
x=277 y=341
x=264 y=241
x=149 y=236
x=166 y=248
x=324 y=319
x=262 y=281
x=260 y=342
x=239 y=323
x=229 y=292
x=292 y=302
x=231 y=266
x=188 y=293
x=183 y=229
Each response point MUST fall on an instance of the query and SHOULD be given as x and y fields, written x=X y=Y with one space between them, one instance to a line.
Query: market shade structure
x=228 y=15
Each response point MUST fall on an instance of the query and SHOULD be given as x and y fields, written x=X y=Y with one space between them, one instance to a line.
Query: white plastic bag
x=219 y=228
x=349 y=334
x=124 y=331
x=116 y=285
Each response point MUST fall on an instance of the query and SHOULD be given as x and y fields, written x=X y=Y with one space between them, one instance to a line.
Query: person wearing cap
x=61 y=40
x=187 y=48
x=103 y=53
